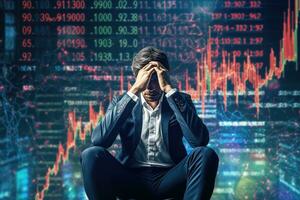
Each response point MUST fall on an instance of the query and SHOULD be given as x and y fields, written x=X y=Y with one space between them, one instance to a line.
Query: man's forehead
x=154 y=62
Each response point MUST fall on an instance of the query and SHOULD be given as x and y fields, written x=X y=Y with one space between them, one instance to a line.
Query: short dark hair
x=147 y=54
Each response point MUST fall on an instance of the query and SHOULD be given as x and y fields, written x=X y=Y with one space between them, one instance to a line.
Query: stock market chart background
x=62 y=61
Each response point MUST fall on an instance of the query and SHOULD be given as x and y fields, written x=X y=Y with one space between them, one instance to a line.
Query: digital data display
x=62 y=61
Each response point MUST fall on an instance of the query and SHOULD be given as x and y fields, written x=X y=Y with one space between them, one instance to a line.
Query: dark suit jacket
x=178 y=118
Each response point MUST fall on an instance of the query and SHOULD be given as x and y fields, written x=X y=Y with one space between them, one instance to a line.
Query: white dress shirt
x=151 y=150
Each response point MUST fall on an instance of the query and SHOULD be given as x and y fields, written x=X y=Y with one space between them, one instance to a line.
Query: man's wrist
x=134 y=90
x=133 y=93
x=133 y=96
x=168 y=88
x=171 y=92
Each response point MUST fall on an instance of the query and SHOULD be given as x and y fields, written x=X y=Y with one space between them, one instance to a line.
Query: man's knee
x=205 y=153
x=92 y=153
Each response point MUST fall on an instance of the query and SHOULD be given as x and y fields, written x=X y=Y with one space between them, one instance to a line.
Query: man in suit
x=151 y=119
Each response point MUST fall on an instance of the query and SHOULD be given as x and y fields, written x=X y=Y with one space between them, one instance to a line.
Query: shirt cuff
x=172 y=91
x=133 y=96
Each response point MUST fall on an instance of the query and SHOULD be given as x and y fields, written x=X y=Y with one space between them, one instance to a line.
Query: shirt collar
x=145 y=104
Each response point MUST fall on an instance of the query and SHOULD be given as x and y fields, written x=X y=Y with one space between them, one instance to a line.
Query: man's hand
x=163 y=76
x=143 y=78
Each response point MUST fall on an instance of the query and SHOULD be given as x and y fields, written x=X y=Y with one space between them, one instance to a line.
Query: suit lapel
x=138 y=120
x=165 y=117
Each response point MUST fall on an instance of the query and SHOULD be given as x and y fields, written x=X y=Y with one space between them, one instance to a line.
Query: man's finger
x=148 y=66
x=144 y=68
x=151 y=71
x=155 y=63
x=160 y=69
x=163 y=67
x=159 y=64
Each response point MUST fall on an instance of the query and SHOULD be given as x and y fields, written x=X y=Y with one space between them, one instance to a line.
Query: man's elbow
x=203 y=141
x=206 y=136
x=99 y=143
x=96 y=141
x=206 y=139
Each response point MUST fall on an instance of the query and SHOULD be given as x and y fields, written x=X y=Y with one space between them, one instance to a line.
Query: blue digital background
x=65 y=57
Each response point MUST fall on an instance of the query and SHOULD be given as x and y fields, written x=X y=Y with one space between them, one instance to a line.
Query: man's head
x=147 y=54
x=143 y=57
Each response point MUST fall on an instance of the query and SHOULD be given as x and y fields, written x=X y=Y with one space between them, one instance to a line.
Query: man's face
x=153 y=92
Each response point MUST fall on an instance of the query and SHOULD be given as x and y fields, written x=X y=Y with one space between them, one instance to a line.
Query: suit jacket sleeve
x=193 y=129
x=108 y=128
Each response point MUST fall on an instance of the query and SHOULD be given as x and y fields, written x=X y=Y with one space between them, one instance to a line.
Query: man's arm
x=106 y=132
x=108 y=128
x=193 y=129
x=191 y=125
